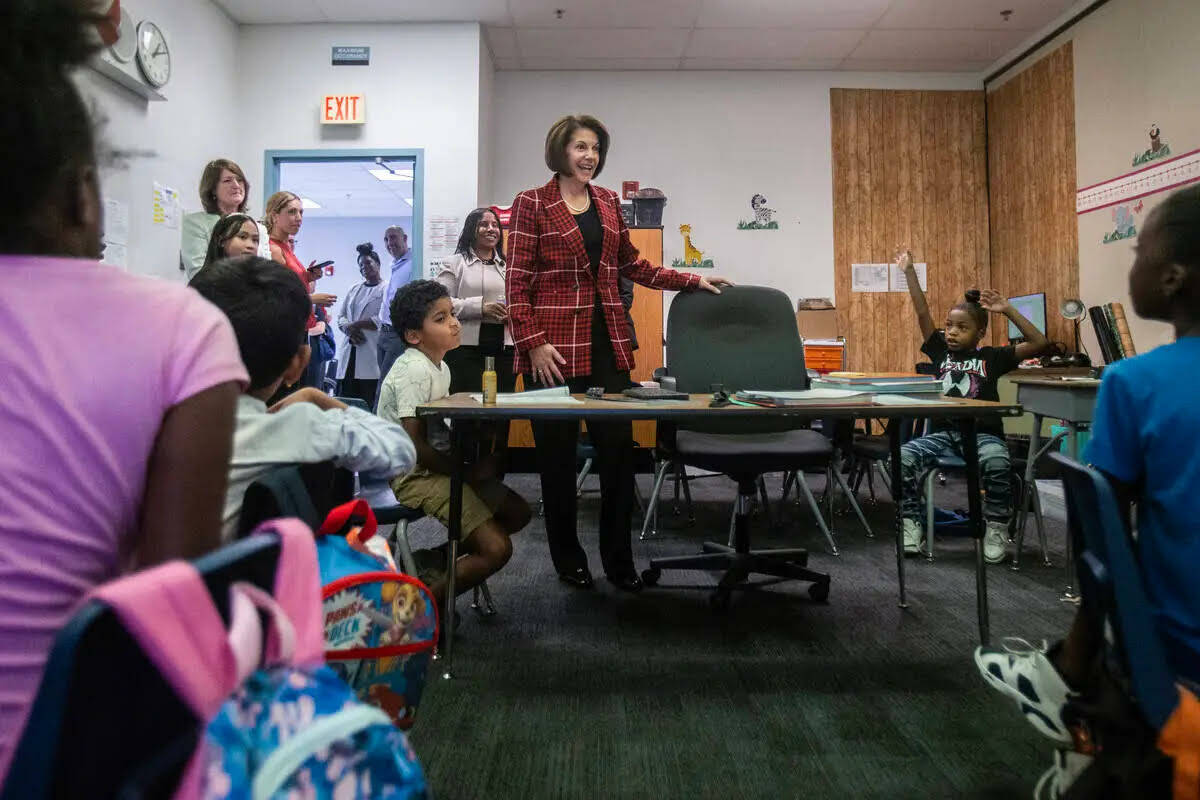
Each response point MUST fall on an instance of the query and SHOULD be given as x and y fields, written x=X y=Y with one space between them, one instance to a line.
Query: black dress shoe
x=579 y=577
x=627 y=581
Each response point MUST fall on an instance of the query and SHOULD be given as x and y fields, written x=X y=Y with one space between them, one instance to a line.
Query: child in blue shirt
x=1146 y=441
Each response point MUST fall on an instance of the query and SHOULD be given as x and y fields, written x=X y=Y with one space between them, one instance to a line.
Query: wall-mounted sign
x=351 y=57
x=343 y=109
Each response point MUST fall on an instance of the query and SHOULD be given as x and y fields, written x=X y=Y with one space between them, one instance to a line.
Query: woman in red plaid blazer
x=568 y=245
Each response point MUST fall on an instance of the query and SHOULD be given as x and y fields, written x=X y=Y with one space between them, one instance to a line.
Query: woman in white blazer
x=474 y=277
x=358 y=361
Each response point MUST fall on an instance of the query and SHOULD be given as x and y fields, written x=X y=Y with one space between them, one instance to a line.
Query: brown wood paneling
x=908 y=167
x=647 y=320
x=1031 y=150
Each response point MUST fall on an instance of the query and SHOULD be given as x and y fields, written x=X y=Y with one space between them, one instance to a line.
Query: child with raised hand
x=966 y=370
x=423 y=314
x=269 y=311
x=1146 y=441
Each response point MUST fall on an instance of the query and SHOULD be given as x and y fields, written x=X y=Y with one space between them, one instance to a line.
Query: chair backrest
x=1113 y=589
x=743 y=338
x=104 y=716
x=355 y=402
x=305 y=491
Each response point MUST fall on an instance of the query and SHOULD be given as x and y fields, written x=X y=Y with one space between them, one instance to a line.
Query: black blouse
x=593 y=235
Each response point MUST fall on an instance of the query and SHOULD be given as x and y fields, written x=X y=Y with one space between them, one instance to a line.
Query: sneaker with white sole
x=1024 y=673
x=995 y=542
x=1067 y=766
x=914 y=537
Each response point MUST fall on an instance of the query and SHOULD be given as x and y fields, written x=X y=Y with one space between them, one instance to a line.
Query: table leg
x=970 y=446
x=454 y=532
x=1027 y=489
x=1069 y=594
x=897 y=490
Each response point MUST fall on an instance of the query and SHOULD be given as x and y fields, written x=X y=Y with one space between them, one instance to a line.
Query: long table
x=464 y=413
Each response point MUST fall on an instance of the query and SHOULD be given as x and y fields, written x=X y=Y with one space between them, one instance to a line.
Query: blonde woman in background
x=224 y=190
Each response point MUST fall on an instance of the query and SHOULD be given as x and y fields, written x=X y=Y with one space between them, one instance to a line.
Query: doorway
x=351 y=197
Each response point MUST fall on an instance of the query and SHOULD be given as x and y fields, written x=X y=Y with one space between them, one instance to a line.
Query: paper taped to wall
x=868 y=277
x=899 y=283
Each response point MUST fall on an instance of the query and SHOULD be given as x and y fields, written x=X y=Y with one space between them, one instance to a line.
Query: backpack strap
x=169 y=612
x=348 y=516
x=298 y=587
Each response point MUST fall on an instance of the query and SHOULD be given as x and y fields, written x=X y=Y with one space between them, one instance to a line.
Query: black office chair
x=105 y=723
x=744 y=338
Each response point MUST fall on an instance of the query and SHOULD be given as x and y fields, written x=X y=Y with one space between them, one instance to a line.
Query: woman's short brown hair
x=560 y=136
x=275 y=204
x=212 y=176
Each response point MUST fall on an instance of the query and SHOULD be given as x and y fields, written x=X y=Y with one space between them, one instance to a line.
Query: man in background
x=391 y=341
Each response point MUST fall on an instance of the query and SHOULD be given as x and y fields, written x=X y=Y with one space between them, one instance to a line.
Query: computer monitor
x=1033 y=308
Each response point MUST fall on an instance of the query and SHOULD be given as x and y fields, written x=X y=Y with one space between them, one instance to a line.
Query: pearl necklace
x=575 y=210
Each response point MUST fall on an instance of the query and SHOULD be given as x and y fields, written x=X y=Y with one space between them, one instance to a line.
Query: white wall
x=1136 y=63
x=709 y=140
x=487 y=80
x=421 y=92
x=184 y=133
x=334 y=239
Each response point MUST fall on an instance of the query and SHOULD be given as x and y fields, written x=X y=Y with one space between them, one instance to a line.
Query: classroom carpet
x=568 y=693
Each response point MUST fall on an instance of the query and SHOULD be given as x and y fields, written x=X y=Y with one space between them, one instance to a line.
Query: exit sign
x=343 y=109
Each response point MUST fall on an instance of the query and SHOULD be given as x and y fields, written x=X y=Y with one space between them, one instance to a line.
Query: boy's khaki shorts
x=430 y=492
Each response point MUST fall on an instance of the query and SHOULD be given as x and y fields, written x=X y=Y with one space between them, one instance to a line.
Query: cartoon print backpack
x=280 y=723
x=381 y=625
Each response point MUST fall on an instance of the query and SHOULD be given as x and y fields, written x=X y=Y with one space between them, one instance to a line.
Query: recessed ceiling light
x=306 y=203
x=385 y=175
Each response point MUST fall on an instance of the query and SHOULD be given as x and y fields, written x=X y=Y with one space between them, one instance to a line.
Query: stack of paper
x=558 y=396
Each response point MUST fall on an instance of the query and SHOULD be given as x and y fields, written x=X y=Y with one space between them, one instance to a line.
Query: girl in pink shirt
x=117 y=412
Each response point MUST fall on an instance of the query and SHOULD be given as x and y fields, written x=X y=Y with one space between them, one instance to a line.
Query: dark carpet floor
x=588 y=694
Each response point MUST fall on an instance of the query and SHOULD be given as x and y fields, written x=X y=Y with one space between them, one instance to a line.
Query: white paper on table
x=115 y=255
x=869 y=277
x=806 y=394
x=899 y=283
x=904 y=400
x=826 y=342
x=557 y=396
x=116 y=222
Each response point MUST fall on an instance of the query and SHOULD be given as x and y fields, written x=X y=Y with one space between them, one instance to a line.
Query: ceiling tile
x=486 y=11
x=605 y=13
x=790 y=13
x=608 y=64
x=958 y=45
x=600 y=42
x=917 y=64
x=757 y=43
x=762 y=63
x=501 y=41
x=1028 y=15
x=251 y=12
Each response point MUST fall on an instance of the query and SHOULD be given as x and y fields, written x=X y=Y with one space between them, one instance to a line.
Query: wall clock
x=153 y=55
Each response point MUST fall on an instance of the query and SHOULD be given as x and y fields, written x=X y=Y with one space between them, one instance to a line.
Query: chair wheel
x=650 y=576
x=720 y=600
x=819 y=591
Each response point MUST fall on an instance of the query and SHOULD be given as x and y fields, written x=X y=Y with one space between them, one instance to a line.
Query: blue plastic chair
x=104 y=722
x=1113 y=590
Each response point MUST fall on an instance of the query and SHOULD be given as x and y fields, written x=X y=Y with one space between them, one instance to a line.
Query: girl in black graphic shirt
x=967 y=370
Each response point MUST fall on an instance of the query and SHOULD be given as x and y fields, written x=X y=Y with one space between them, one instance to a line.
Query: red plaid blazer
x=549 y=279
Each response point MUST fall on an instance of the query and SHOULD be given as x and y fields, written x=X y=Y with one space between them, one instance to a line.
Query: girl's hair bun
x=973 y=295
x=365 y=249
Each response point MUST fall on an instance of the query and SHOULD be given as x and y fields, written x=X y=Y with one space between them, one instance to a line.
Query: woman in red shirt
x=568 y=246
x=283 y=216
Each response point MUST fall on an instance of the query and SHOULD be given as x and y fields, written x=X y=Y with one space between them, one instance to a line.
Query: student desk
x=1071 y=399
x=464 y=413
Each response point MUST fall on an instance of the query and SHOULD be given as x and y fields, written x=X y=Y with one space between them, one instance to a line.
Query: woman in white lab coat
x=358 y=363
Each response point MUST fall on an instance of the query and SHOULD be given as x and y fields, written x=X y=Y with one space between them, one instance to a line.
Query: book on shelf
x=1112 y=332
x=1123 y=333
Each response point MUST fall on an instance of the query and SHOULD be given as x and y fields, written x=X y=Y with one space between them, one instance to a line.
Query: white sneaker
x=1023 y=672
x=914 y=537
x=995 y=542
x=1055 y=781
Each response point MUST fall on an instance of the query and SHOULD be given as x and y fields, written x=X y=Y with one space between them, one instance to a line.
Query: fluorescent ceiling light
x=306 y=203
x=409 y=201
x=398 y=175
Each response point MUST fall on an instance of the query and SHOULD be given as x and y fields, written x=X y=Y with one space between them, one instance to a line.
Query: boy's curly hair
x=411 y=304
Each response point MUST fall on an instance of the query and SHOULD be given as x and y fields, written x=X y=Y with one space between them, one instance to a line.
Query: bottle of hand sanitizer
x=489 y=381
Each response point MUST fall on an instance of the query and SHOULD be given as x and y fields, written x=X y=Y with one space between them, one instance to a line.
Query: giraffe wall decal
x=692 y=257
